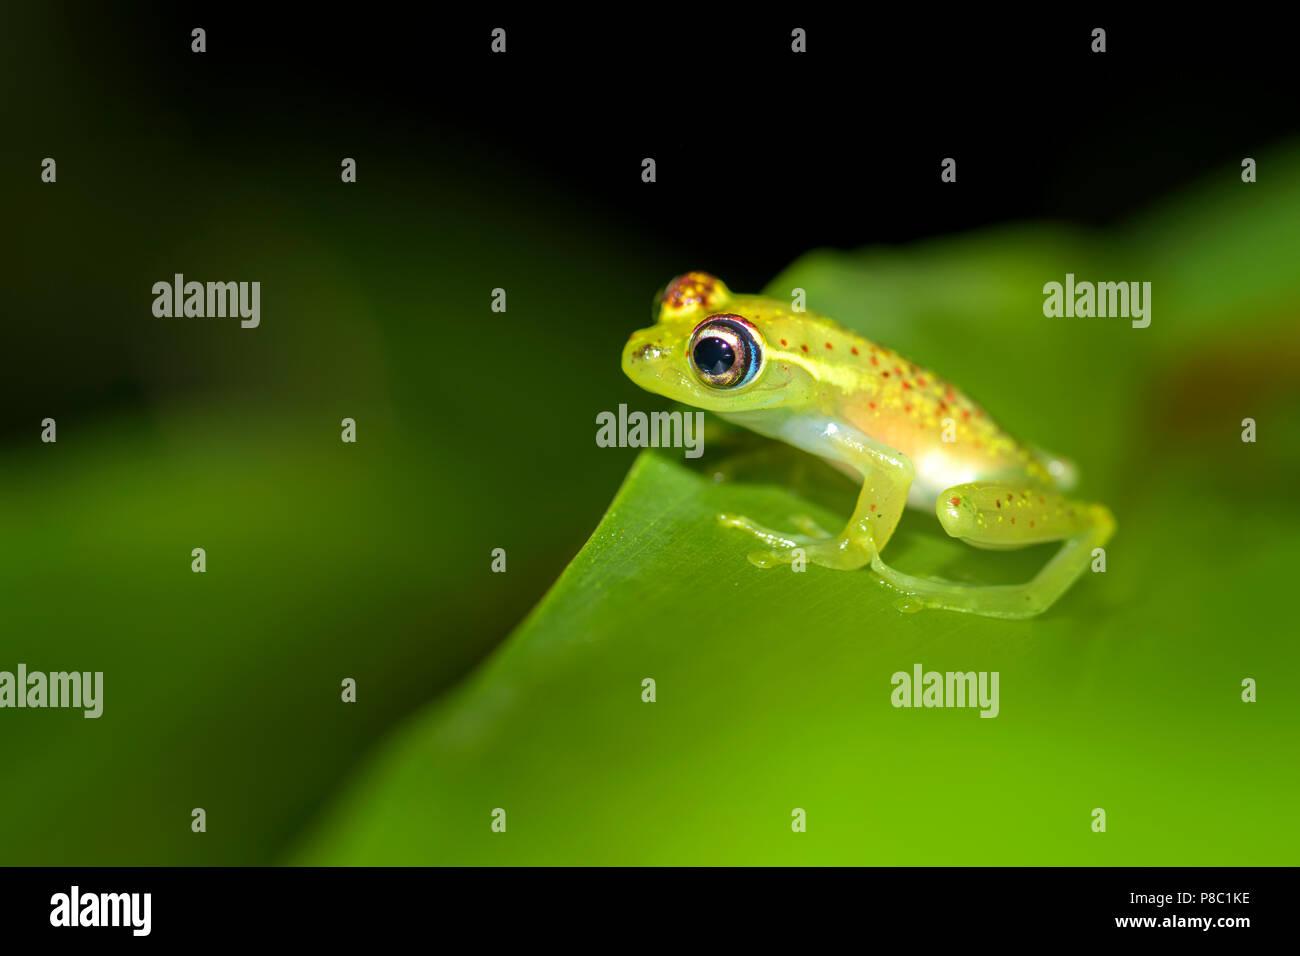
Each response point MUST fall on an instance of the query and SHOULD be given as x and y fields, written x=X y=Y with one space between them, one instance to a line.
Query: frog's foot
x=1000 y=515
x=809 y=526
x=780 y=540
x=816 y=545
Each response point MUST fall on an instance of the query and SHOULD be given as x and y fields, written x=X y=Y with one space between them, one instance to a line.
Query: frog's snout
x=641 y=357
x=638 y=351
x=646 y=353
x=649 y=361
x=645 y=347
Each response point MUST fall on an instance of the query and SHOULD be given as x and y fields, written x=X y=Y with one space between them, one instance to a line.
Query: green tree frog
x=910 y=437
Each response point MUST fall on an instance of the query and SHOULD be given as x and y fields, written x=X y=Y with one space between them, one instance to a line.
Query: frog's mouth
x=648 y=361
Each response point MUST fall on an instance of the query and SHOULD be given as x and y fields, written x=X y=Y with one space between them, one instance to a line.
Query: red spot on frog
x=693 y=288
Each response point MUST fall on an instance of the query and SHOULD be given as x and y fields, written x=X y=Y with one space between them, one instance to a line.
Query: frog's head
x=710 y=349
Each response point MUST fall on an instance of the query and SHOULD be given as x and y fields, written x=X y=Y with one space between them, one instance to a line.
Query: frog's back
x=949 y=438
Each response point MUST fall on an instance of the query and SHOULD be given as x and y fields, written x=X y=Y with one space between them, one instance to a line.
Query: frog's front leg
x=1004 y=515
x=886 y=477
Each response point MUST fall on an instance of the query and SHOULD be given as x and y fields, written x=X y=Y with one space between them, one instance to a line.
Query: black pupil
x=714 y=356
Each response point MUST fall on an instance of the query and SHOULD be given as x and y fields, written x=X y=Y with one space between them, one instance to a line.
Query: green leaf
x=773 y=688
x=772 y=693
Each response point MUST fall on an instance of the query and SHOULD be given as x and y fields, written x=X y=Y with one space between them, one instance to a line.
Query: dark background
x=1041 y=126
x=476 y=431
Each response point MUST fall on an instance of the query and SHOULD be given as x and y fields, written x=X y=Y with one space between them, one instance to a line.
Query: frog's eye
x=725 y=351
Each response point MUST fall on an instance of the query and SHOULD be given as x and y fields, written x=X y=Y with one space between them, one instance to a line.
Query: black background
x=751 y=140
x=980 y=906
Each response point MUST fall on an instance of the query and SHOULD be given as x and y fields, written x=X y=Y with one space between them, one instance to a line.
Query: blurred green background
x=476 y=431
x=773 y=688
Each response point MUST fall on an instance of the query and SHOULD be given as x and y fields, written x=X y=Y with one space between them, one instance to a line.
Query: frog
x=910 y=438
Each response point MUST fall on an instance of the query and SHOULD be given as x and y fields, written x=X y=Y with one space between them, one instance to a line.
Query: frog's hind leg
x=1004 y=515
